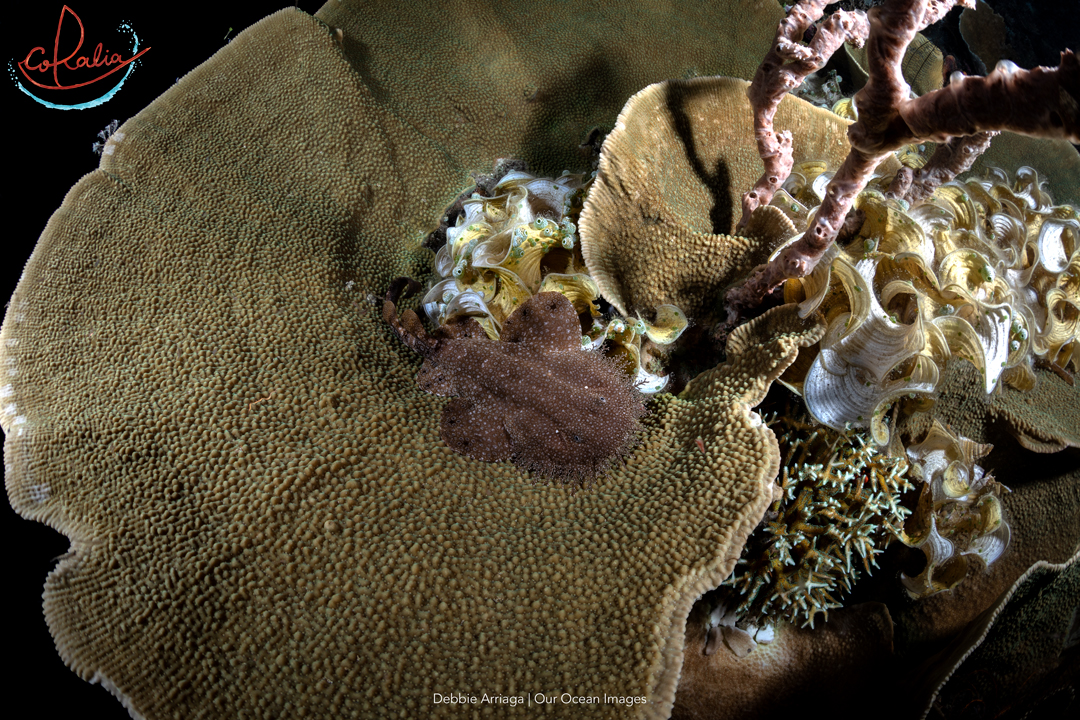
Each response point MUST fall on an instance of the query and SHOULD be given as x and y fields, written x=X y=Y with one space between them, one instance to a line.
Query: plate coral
x=267 y=517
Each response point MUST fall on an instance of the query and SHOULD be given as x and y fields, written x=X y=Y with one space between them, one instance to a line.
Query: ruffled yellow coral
x=868 y=358
x=959 y=512
x=495 y=256
x=521 y=241
x=985 y=270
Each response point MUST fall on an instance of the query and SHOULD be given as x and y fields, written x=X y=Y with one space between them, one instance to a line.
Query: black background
x=48 y=151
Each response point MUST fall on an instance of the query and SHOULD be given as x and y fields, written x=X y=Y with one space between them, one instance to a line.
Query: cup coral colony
x=615 y=345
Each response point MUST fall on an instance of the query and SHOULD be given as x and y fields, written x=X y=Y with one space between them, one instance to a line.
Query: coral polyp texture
x=838 y=508
x=521 y=240
x=657 y=227
x=983 y=271
x=263 y=517
x=535 y=397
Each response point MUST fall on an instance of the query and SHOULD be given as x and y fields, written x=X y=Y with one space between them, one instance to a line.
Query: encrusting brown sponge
x=534 y=397
x=264 y=520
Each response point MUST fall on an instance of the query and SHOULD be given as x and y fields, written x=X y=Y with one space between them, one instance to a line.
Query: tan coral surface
x=1019 y=657
x=655 y=227
x=263 y=519
x=529 y=78
x=849 y=654
x=1044 y=419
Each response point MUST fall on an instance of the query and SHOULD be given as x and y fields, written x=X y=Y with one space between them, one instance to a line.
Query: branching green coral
x=838 y=509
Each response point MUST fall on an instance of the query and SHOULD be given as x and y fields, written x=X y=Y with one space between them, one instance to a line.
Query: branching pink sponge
x=1043 y=102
